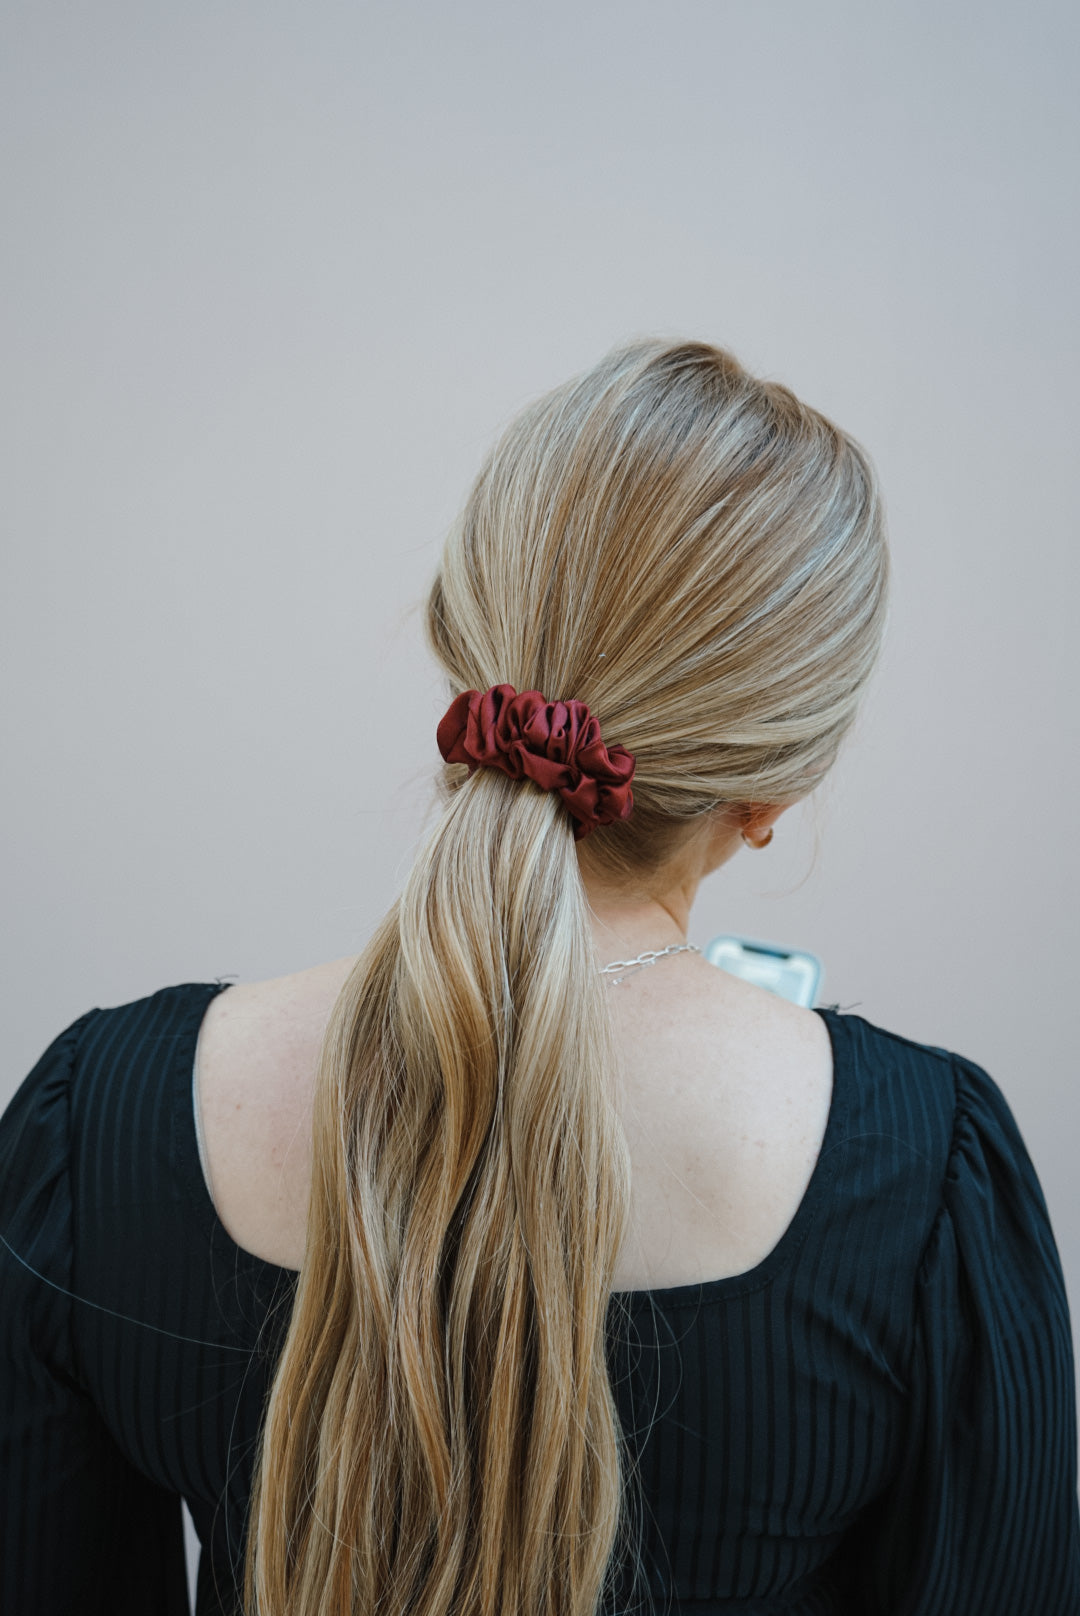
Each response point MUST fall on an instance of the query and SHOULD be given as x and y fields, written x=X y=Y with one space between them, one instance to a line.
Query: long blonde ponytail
x=699 y=557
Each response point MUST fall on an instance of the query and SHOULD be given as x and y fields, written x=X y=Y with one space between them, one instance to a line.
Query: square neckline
x=189 y=1156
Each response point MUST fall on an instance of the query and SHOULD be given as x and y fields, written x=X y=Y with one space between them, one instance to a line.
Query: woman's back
x=723 y=1093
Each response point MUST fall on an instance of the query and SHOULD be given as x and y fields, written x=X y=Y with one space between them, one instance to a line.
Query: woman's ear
x=757 y=821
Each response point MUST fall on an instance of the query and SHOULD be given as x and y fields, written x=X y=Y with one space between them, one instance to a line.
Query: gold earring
x=764 y=842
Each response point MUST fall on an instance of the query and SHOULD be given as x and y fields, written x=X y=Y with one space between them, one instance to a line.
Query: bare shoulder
x=779 y=1074
x=735 y=1058
x=256 y=1062
x=725 y=1094
x=738 y=1022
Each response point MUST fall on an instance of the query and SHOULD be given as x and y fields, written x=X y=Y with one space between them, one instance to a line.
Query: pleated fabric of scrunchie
x=555 y=743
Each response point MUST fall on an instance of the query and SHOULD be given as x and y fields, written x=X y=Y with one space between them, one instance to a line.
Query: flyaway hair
x=700 y=558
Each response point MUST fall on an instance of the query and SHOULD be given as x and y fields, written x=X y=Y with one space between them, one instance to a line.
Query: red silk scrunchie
x=555 y=743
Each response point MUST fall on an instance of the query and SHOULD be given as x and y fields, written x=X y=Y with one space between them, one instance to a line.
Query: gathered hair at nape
x=700 y=558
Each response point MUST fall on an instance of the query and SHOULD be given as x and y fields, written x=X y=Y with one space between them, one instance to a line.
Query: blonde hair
x=700 y=558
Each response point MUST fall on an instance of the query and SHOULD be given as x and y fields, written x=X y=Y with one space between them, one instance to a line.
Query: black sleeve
x=983 y=1518
x=80 y=1529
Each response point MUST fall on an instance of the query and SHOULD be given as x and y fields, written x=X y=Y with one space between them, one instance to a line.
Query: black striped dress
x=878 y=1418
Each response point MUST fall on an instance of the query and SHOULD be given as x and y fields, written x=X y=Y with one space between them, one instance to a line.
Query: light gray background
x=274 y=277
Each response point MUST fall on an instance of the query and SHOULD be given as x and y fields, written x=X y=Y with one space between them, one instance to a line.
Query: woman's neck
x=625 y=930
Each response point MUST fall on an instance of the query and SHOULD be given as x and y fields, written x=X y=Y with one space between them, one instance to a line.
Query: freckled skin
x=723 y=1091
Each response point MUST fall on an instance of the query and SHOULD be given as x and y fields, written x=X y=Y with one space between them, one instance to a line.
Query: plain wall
x=276 y=275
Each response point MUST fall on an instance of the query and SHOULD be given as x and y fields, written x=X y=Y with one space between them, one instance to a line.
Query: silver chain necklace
x=650 y=957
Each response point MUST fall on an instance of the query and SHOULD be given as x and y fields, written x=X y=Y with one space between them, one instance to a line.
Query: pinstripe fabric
x=879 y=1418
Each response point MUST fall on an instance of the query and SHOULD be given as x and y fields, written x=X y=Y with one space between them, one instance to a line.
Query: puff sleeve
x=80 y=1528
x=983 y=1516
